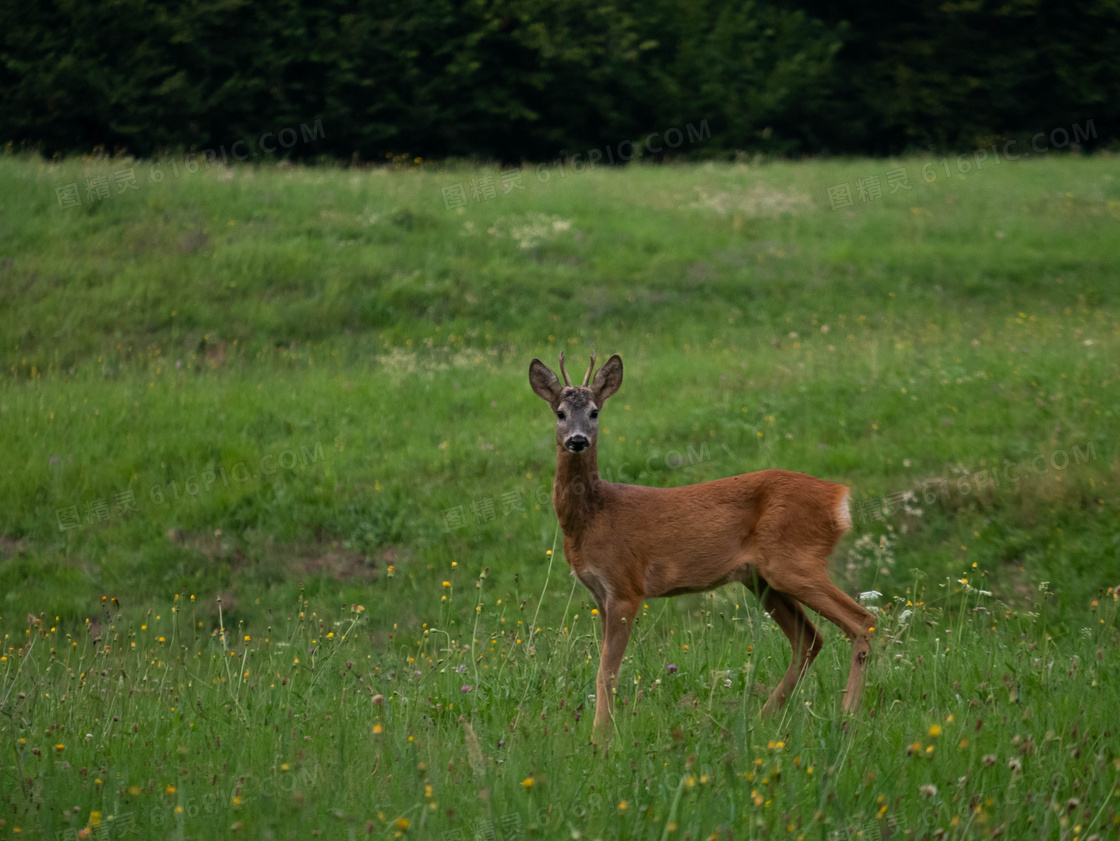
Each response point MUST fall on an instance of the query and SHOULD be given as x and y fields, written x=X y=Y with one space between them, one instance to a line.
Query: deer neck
x=575 y=491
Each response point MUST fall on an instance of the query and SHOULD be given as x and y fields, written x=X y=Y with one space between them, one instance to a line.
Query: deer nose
x=577 y=443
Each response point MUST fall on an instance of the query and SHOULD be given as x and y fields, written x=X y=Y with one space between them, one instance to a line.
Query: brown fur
x=772 y=531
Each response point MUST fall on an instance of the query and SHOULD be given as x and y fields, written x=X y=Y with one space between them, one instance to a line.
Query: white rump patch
x=843 y=513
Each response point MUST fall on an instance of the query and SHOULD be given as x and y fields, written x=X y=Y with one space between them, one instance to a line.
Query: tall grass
x=289 y=411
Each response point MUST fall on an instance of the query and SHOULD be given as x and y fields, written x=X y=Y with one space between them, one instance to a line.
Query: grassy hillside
x=298 y=389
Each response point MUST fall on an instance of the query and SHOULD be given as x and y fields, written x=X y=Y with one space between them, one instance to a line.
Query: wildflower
x=464 y=688
x=1015 y=765
x=928 y=791
x=377 y=730
x=989 y=759
x=672 y=668
x=935 y=730
x=60 y=748
x=622 y=804
x=527 y=782
x=402 y=824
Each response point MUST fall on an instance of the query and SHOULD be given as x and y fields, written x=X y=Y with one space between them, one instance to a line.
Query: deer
x=772 y=531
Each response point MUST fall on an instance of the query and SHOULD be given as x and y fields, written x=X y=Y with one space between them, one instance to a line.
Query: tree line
x=516 y=80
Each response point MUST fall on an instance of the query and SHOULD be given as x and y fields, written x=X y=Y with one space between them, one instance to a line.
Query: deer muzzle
x=577 y=443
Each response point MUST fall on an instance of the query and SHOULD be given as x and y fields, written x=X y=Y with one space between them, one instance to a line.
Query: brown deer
x=771 y=531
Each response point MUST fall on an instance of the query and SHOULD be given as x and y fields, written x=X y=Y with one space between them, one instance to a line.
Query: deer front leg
x=618 y=617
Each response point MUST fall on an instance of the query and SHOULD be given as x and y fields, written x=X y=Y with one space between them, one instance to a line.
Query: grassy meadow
x=277 y=556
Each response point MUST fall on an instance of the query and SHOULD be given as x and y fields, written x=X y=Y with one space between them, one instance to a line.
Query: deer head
x=576 y=407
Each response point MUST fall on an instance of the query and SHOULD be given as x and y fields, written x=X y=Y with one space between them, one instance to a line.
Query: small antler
x=590 y=370
x=567 y=379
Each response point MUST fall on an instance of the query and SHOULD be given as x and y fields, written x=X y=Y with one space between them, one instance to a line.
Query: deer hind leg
x=807 y=581
x=618 y=618
x=804 y=639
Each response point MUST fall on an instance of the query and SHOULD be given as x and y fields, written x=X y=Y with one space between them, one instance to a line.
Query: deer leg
x=804 y=639
x=818 y=592
x=617 y=620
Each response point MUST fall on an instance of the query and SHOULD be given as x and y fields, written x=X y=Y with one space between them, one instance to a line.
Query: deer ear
x=608 y=379
x=546 y=385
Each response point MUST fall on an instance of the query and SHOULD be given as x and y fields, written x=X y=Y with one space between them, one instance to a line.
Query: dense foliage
x=519 y=79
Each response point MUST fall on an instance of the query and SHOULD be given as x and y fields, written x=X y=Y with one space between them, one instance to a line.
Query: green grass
x=306 y=378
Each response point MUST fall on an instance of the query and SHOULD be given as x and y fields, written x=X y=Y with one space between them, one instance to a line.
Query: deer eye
x=594 y=414
x=560 y=416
